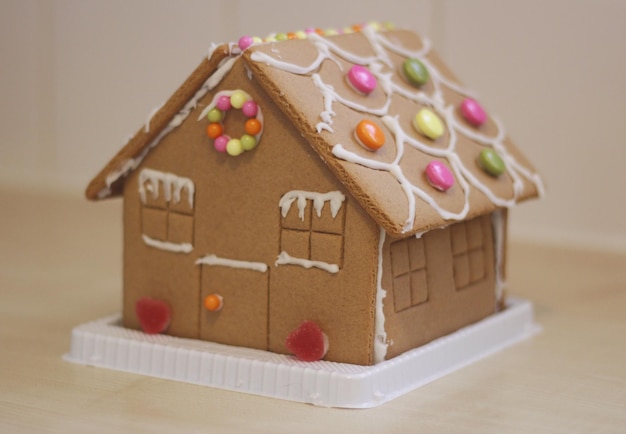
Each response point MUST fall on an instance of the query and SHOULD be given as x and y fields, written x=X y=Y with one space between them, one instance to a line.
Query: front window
x=312 y=229
x=167 y=210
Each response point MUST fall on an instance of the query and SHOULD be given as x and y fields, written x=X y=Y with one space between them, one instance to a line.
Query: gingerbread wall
x=437 y=283
x=236 y=216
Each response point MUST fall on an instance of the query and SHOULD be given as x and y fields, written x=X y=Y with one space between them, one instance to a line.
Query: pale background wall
x=78 y=77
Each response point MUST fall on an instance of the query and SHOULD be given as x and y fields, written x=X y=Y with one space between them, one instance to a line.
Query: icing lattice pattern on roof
x=381 y=62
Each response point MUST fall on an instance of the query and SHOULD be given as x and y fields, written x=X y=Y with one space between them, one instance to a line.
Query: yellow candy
x=238 y=98
x=375 y=25
x=234 y=147
x=429 y=124
x=300 y=35
x=257 y=40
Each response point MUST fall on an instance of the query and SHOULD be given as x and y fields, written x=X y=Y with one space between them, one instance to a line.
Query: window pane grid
x=313 y=237
x=468 y=249
x=408 y=265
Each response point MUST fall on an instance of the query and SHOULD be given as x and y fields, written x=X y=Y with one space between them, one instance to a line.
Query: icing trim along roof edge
x=340 y=158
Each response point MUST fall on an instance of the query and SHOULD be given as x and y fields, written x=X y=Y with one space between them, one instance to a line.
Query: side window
x=312 y=229
x=408 y=268
x=167 y=210
x=468 y=251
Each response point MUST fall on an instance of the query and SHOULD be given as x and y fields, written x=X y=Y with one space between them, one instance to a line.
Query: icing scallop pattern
x=382 y=66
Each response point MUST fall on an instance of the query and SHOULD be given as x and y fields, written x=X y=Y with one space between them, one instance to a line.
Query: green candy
x=248 y=142
x=415 y=72
x=490 y=162
x=215 y=115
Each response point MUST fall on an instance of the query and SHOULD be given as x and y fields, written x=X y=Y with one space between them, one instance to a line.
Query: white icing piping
x=233 y=263
x=380 y=334
x=380 y=43
x=497 y=222
x=172 y=186
x=334 y=198
x=285 y=259
x=151 y=115
x=168 y=246
x=131 y=164
x=289 y=67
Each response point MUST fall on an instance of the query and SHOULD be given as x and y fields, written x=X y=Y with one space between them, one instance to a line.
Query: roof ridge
x=108 y=182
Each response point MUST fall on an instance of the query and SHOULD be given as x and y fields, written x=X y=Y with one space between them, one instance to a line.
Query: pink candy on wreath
x=439 y=175
x=250 y=108
x=220 y=143
x=223 y=103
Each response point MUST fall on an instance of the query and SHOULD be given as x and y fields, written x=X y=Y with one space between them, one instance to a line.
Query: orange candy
x=214 y=130
x=370 y=135
x=213 y=302
x=253 y=126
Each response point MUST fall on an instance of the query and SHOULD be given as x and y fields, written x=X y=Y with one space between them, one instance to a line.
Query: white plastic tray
x=105 y=343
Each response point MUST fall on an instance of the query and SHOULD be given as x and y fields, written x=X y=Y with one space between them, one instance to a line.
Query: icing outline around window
x=166 y=214
x=314 y=239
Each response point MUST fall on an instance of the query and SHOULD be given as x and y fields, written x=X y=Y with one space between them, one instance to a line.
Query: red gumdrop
x=308 y=343
x=154 y=315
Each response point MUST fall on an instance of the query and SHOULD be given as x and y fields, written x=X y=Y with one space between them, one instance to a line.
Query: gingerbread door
x=242 y=319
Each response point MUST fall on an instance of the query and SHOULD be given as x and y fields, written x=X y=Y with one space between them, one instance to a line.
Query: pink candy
x=245 y=42
x=362 y=79
x=250 y=108
x=223 y=103
x=439 y=175
x=220 y=143
x=473 y=112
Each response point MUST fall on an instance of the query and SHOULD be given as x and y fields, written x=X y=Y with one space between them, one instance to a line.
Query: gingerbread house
x=347 y=181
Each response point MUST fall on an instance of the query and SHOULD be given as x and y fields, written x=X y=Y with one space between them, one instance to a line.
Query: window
x=167 y=211
x=468 y=251
x=312 y=231
x=408 y=268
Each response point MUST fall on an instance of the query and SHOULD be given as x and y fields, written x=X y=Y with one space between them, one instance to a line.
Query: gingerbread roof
x=312 y=81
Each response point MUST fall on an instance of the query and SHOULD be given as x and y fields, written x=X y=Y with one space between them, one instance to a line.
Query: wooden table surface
x=60 y=266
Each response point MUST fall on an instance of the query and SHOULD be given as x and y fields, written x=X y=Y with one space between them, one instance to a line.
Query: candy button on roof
x=369 y=135
x=473 y=112
x=244 y=42
x=428 y=123
x=439 y=175
x=415 y=72
x=362 y=79
x=490 y=162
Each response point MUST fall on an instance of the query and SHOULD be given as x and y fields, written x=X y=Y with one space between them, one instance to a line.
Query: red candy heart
x=308 y=343
x=154 y=315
